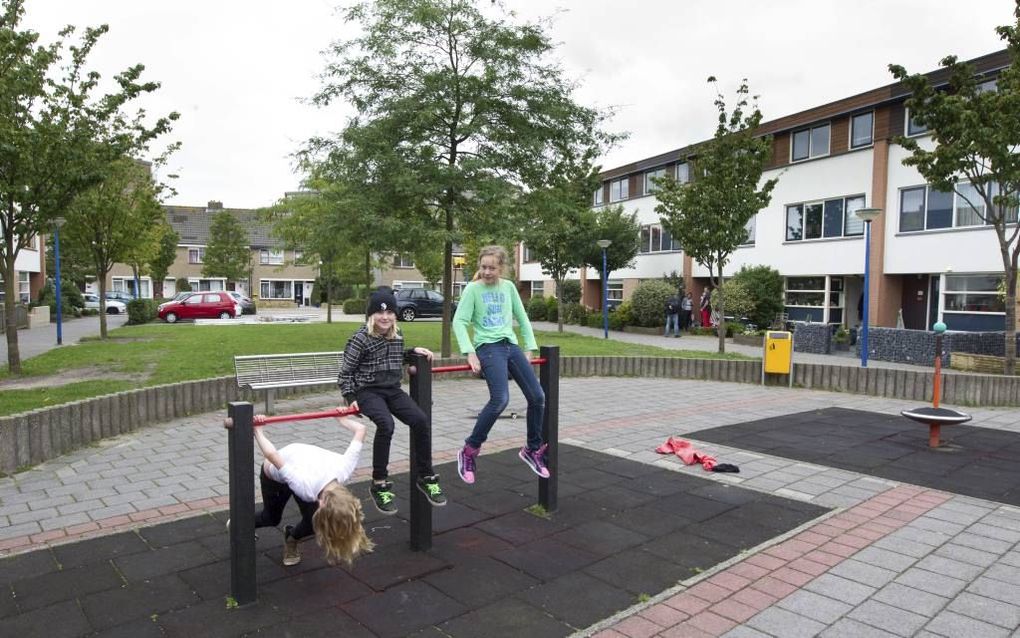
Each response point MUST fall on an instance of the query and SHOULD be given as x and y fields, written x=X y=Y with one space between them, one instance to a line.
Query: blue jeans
x=499 y=360
x=674 y=320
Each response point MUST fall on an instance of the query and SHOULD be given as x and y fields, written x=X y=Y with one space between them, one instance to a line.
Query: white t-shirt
x=308 y=468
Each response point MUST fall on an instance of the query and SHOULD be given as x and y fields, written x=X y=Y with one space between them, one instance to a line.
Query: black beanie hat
x=381 y=299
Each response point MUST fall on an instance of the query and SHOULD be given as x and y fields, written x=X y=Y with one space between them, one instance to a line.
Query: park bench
x=266 y=372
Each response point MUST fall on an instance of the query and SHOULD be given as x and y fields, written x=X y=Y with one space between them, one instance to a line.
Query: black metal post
x=241 y=450
x=549 y=376
x=421 y=510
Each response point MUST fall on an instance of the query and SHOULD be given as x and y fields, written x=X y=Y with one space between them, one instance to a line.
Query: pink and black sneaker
x=466 y=463
x=535 y=460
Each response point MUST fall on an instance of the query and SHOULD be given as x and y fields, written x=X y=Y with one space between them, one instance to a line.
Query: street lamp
x=603 y=244
x=57 y=223
x=867 y=215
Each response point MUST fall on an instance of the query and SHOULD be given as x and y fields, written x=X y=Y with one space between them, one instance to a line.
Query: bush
x=552 y=309
x=572 y=313
x=355 y=306
x=616 y=320
x=570 y=291
x=537 y=309
x=183 y=285
x=765 y=287
x=71 y=300
x=141 y=311
x=737 y=299
x=624 y=314
x=649 y=303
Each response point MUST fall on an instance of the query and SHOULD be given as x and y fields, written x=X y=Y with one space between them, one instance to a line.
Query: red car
x=200 y=305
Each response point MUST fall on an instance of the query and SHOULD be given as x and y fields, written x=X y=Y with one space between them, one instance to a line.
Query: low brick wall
x=33 y=437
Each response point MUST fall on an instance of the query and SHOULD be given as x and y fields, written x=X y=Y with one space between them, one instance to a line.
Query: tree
x=109 y=220
x=623 y=230
x=765 y=286
x=59 y=137
x=228 y=253
x=563 y=225
x=708 y=215
x=163 y=257
x=976 y=130
x=457 y=114
x=428 y=259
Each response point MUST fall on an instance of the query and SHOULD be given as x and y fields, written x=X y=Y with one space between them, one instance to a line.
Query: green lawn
x=162 y=353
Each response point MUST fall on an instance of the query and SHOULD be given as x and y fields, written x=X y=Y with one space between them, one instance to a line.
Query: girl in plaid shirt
x=370 y=381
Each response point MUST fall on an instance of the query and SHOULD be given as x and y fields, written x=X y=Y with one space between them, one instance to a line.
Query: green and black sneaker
x=382 y=496
x=429 y=486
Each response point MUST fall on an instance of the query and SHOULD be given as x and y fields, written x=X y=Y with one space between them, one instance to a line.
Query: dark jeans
x=672 y=320
x=380 y=405
x=685 y=319
x=498 y=359
x=274 y=498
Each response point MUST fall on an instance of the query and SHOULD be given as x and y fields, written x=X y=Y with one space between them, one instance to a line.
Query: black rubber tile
x=593 y=478
x=628 y=469
x=402 y=610
x=662 y=483
x=637 y=571
x=60 y=620
x=498 y=502
x=453 y=516
x=319 y=589
x=772 y=516
x=478 y=581
x=45 y=590
x=617 y=498
x=510 y=617
x=141 y=628
x=467 y=541
x=381 y=570
x=600 y=537
x=323 y=623
x=165 y=560
x=167 y=534
x=520 y=527
x=37 y=563
x=572 y=511
x=737 y=533
x=125 y=604
x=213 y=580
x=693 y=508
x=689 y=551
x=724 y=493
x=578 y=599
x=651 y=520
x=213 y=619
x=99 y=550
x=546 y=559
x=8 y=606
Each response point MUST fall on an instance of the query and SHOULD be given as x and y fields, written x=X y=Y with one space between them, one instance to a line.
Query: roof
x=192 y=224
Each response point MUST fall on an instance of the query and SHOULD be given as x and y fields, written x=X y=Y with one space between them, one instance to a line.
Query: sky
x=241 y=72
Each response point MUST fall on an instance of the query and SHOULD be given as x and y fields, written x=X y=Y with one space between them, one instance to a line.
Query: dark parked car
x=418 y=302
x=247 y=305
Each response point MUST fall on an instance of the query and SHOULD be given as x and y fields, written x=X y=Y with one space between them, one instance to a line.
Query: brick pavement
x=894 y=559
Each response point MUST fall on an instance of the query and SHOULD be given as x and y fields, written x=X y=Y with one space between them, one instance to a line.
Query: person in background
x=686 y=307
x=672 y=316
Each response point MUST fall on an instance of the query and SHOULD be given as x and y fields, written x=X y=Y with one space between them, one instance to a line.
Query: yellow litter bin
x=778 y=354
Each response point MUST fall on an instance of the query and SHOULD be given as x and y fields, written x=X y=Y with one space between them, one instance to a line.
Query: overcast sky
x=239 y=71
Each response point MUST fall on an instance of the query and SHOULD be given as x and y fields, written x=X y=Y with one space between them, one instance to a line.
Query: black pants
x=380 y=405
x=274 y=498
x=685 y=319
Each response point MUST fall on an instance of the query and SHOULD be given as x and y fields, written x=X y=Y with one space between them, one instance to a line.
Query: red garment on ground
x=683 y=450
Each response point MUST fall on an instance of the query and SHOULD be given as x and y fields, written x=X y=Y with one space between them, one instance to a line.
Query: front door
x=915 y=301
x=299 y=292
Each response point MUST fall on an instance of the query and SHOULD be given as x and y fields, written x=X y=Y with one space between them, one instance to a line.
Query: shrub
x=71 y=300
x=536 y=309
x=552 y=309
x=573 y=313
x=737 y=298
x=616 y=320
x=765 y=287
x=570 y=291
x=624 y=314
x=183 y=285
x=649 y=302
x=355 y=306
x=141 y=311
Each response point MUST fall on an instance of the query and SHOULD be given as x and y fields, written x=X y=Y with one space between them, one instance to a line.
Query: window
x=402 y=261
x=597 y=199
x=270 y=256
x=861 y=129
x=201 y=285
x=683 y=173
x=24 y=287
x=619 y=189
x=924 y=208
x=973 y=293
x=654 y=238
x=650 y=186
x=196 y=255
x=914 y=127
x=537 y=289
x=750 y=228
x=614 y=291
x=526 y=253
x=825 y=219
x=127 y=284
x=805 y=291
x=272 y=289
x=810 y=142
x=297 y=256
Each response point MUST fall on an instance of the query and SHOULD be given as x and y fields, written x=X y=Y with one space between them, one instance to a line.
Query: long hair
x=493 y=251
x=338 y=526
x=370 y=326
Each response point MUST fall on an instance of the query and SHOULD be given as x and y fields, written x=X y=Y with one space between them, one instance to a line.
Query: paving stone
x=888 y=618
x=850 y=628
x=931 y=582
x=911 y=599
x=986 y=609
x=578 y=599
x=967 y=555
x=884 y=558
x=24 y=566
x=143 y=565
x=983 y=543
x=949 y=567
x=479 y=580
x=840 y=588
x=815 y=606
x=510 y=617
x=949 y=623
x=871 y=575
x=1005 y=573
x=996 y=589
x=122 y=605
x=780 y=622
x=47 y=589
x=60 y=620
x=99 y=550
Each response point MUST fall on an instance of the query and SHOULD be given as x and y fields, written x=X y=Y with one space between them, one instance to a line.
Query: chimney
x=213 y=205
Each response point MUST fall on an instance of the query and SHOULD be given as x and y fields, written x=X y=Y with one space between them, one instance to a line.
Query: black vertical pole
x=549 y=376
x=421 y=510
x=241 y=450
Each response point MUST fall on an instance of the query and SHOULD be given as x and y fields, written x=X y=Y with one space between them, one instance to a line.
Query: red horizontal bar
x=261 y=419
x=467 y=368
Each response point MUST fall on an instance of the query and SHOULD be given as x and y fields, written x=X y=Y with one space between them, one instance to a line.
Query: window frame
x=199 y=254
x=821 y=204
x=287 y=284
x=402 y=261
x=946 y=292
x=871 y=130
x=537 y=289
x=954 y=216
x=812 y=153
x=622 y=185
x=650 y=187
x=271 y=257
x=686 y=172
x=647 y=234
x=598 y=197
x=908 y=123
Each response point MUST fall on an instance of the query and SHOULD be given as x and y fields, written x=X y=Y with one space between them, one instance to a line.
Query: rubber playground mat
x=973 y=461
x=622 y=530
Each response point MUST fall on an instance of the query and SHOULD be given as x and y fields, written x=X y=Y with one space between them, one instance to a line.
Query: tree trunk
x=559 y=304
x=329 y=299
x=447 y=284
x=1009 y=364
x=102 y=304
x=11 y=319
x=721 y=328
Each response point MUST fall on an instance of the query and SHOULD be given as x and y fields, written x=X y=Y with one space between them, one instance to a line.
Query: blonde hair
x=492 y=251
x=370 y=326
x=338 y=526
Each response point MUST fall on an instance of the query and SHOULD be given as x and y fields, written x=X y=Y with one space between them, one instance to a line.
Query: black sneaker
x=382 y=496
x=429 y=486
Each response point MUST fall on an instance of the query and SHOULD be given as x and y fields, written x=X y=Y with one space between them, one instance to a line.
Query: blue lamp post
x=603 y=244
x=867 y=215
x=57 y=223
